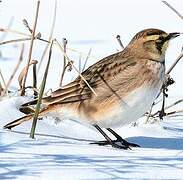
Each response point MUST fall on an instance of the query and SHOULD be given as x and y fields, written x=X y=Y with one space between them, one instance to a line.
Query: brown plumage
x=119 y=80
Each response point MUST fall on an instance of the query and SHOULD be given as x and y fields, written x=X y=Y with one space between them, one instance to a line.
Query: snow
x=63 y=150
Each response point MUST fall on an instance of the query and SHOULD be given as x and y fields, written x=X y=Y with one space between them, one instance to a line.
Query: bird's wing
x=101 y=74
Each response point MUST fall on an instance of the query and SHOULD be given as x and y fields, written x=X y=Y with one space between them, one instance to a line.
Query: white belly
x=135 y=105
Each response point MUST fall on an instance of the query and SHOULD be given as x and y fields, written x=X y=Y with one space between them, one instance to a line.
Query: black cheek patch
x=159 y=46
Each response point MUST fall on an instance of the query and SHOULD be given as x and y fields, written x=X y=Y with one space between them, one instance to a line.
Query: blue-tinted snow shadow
x=158 y=143
x=112 y=167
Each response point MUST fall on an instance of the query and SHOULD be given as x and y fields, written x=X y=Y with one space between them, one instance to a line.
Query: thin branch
x=174 y=112
x=173 y=9
x=175 y=63
x=167 y=107
x=119 y=41
x=174 y=104
x=149 y=114
x=15 y=40
x=14 y=32
x=37 y=38
x=31 y=47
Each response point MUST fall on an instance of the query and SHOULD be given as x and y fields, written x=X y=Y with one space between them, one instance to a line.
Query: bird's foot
x=118 y=143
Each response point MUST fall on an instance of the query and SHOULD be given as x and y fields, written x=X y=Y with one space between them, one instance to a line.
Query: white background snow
x=62 y=151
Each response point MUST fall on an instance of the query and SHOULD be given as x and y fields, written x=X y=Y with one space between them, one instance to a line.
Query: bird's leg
x=121 y=140
x=108 y=140
x=162 y=111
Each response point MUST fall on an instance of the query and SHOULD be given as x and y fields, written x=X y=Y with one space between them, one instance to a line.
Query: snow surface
x=62 y=150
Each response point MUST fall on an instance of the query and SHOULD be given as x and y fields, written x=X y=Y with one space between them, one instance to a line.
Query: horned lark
x=126 y=84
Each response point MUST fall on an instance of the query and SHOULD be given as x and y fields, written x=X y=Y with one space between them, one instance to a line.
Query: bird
x=126 y=84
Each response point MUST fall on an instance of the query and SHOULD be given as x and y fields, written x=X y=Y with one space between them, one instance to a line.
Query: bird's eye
x=161 y=38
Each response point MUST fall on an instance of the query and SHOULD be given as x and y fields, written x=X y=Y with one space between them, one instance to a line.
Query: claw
x=124 y=144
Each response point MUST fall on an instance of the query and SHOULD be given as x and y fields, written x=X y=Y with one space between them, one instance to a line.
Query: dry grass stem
x=26 y=24
x=86 y=60
x=2 y=77
x=174 y=104
x=15 y=41
x=173 y=9
x=9 y=26
x=22 y=73
x=35 y=80
x=41 y=92
x=38 y=38
x=149 y=114
x=175 y=63
x=14 y=32
x=1 y=89
x=62 y=50
x=167 y=107
x=15 y=69
x=64 y=63
x=79 y=66
x=50 y=36
x=31 y=48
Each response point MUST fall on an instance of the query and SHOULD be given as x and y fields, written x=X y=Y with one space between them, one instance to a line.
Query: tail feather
x=25 y=118
x=17 y=121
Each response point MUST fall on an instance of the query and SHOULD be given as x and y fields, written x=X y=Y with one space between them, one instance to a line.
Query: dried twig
x=22 y=73
x=167 y=107
x=149 y=114
x=26 y=24
x=31 y=48
x=174 y=112
x=1 y=88
x=62 y=50
x=173 y=9
x=41 y=92
x=36 y=38
x=86 y=60
x=79 y=66
x=14 y=32
x=119 y=41
x=2 y=77
x=15 y=69
x=35 y=80
x=175 y=63
x=15 y=40
x=64 y=63
x=5 y=33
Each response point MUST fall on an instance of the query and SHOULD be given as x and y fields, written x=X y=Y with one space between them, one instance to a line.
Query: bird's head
x=152 y=43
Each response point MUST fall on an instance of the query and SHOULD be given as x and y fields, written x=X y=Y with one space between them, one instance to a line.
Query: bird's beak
x=172 y=36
